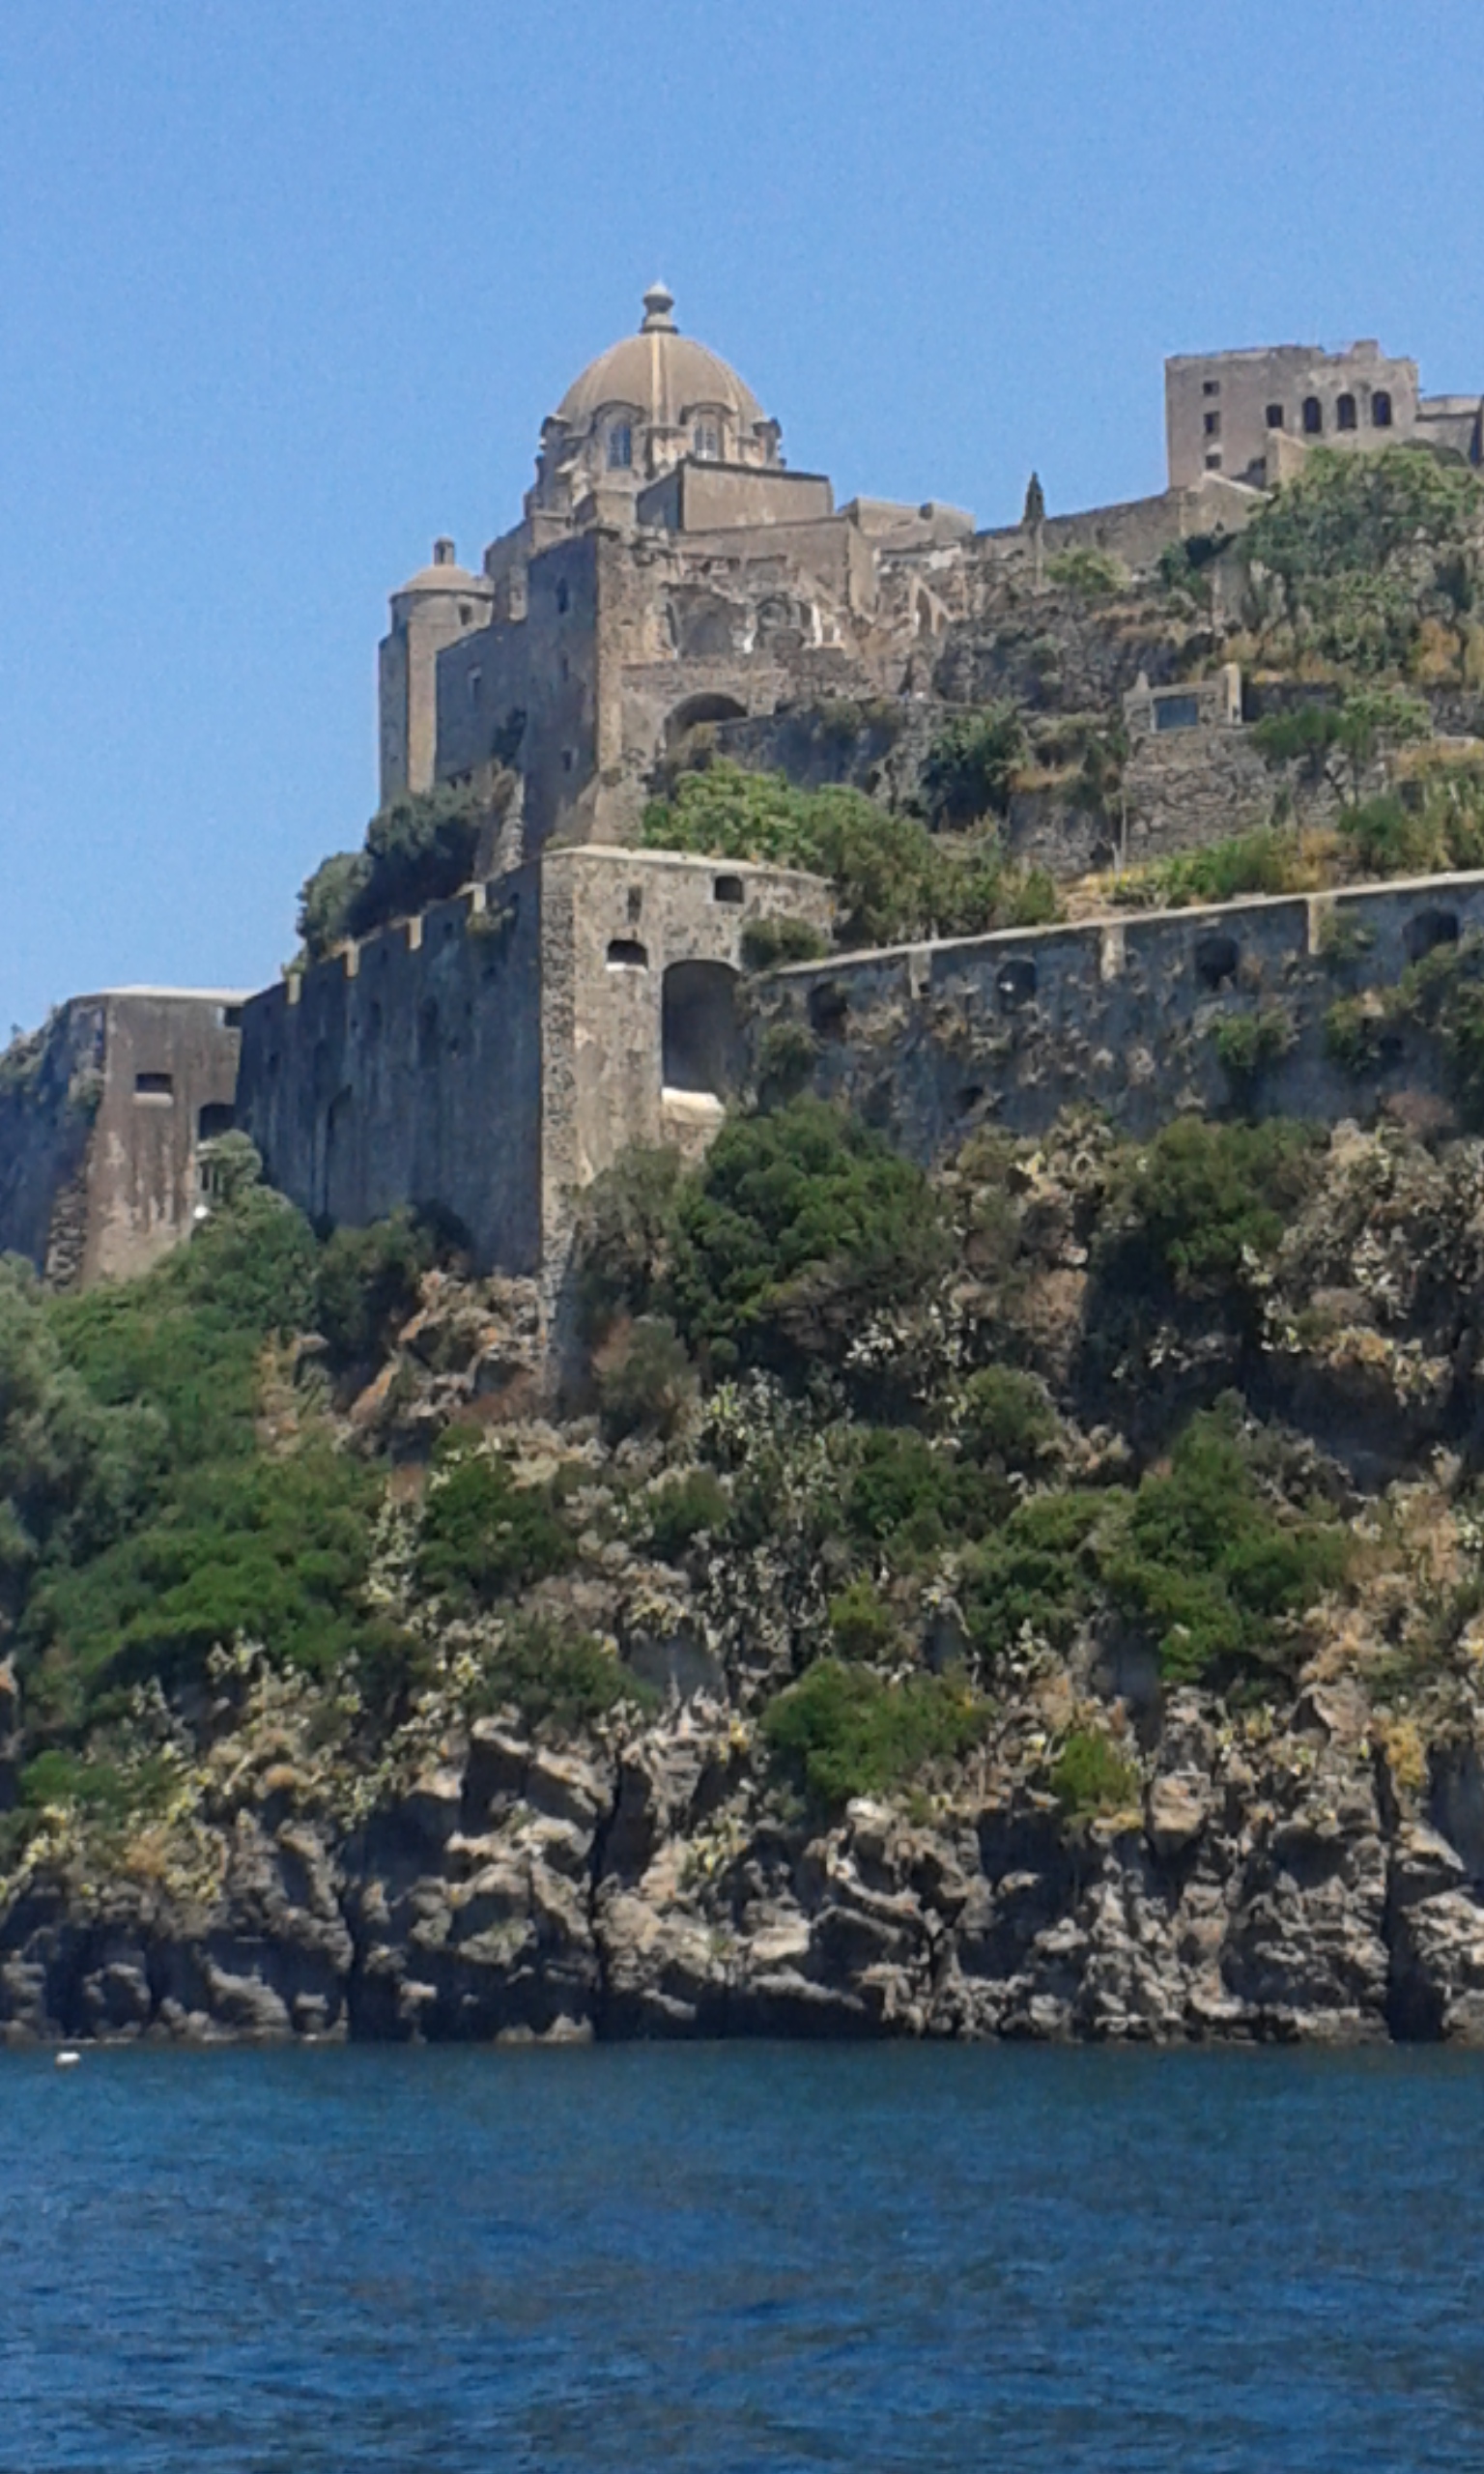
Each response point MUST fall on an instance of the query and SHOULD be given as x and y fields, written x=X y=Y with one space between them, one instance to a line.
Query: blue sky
x=287 y=286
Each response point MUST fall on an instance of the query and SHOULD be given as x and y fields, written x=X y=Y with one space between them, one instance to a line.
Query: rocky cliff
x=1082 y=1642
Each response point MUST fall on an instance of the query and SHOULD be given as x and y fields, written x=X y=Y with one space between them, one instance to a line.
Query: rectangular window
x=476 y=686
x=1274 y=415
x=1212 y=424
x=1214 y=462
x=1211 y=387
x=1176 y=712
x=153 y=1086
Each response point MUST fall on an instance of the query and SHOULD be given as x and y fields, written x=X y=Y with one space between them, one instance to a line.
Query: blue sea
x=720 y=2258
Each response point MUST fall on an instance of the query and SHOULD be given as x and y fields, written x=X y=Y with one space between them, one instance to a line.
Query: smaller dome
x=444 y=575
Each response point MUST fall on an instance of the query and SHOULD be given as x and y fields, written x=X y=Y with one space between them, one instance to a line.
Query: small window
x=727 y=889
x=1216 y=961
x=705 y=439
x=1313 y=417
x=565 y=668
x=231 y=1018
x=1210 y=386
x=466 y=613
x=476 y=686
x=216 y=1118
x=562 y=597
x=1176 y=712
x=620 y=447
x=1345 y=412
x=1015 y=985
x=626 y=953
x=1214 y=462
x=1274 y=415
x=568 y=760
x=1212 y=424
x=1381 y=409
x=153 y=1086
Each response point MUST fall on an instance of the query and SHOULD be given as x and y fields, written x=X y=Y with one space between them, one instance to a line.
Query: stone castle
x=669 y=573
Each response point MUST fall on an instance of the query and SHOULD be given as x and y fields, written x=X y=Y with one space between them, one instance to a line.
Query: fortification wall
x=49 y=1088
x=1127 y=1015
x=101 y=1119
x=491 y=1056
x=408 y=1071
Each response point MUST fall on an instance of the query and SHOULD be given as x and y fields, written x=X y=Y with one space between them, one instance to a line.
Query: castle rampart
x=102 y=1115
x=1127 y=1014
x=494 y=1054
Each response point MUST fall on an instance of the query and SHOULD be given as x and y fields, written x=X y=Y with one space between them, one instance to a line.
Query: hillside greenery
x=892 y=877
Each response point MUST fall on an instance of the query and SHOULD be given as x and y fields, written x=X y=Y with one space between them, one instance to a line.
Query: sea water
x=742 y=2257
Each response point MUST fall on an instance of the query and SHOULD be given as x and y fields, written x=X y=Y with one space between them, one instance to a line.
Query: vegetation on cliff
x=893 y=879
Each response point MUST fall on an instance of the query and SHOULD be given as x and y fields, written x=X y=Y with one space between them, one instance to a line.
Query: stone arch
x=696 y=710
x=700 y=1036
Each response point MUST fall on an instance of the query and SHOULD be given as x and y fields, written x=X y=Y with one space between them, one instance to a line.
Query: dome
x=663 y=374
x=444 y=575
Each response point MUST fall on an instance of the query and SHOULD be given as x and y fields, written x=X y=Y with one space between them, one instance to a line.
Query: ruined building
x=669 y=570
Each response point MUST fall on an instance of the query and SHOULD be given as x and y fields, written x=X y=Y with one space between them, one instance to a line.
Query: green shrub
x=798 y=1225
x=482 y=1535
x=1207 y=1567
x=1040 y=1574
x=861 y=1626
x=683 y=1510
x=786 y=1056
x=1186 y=1210
x=1091 y=574
x=1007 y=1420
x=1387 y=839
x=243 y=1547
x=1249 y=1045
x=892 y=879
x=971 y=765
x=1353 y=1029
x=1267 y=860
x=648 y=1383
x=1090 y=1775
x=419 y=849
x=625 y=1230
x=368 y=1283
x=912 y=1496
x=843 y=1730
x=768 y=942
x=1362 y=543
x=555 y=1679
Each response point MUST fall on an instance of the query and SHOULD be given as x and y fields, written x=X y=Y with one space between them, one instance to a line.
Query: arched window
x=620 y=447
x=1313 y=417
x=1381 y=409
x=706 y=440
x=1345 y=411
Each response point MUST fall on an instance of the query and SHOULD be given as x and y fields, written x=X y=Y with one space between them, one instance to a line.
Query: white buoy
x=67 y=2059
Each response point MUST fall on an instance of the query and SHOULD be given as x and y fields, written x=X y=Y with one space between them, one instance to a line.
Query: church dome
x=661 y=374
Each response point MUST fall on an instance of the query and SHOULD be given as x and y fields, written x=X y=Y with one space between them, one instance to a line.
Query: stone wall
x=1125 y=1014
x=489 y=1057
x=408 y=1071
x=101 y=1119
